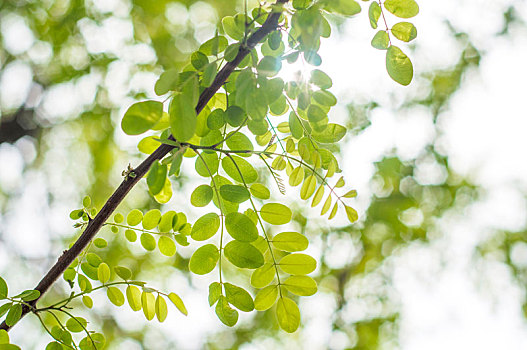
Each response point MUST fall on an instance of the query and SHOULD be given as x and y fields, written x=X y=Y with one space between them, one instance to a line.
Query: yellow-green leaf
x=290 y=241
x=205 y=227
x=141 y=116
x=204 y=259
x=148 y=301
x=402 y=8
x=266 y=298
x=298 y=264
x=301 y=285
x=399 y=66
x=276 y=213
x=133 y=294
x=166 y=246
x=115 y=296
x=176 y=300
x=404 y=31
x=308 y=187
x=288 y=314
x=103 y=273
x=161 y=308
x=263 y=275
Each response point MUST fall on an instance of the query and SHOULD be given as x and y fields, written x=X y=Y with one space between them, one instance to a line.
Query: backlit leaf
x=148 y=301
x=298 y=264
x=115 y=296
x=301 y=285
x=161 y=308
x=290 y=241
x=225 y=313
x=166 y=246
x=276 y=213
x=238 y=297
x=266 y=298
x=205 y=227
x=204 y=259
x=176 y=300
x=288 y=314
x=404 y=31
x=133 y=295
x=402 y=8
x=243 y=255
x=241 y=227
x=141 y=116
x=399 y=66
x=201 y=196
x=263 y=275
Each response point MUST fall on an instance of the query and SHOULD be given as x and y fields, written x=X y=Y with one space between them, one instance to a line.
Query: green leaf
x=161 y=308
x=216 y=119
x=215 y=45
x=167 y=81
x=325 y=98
x=4 y=337
x=374 y=14
x=263 y=275
x=103 y=273
x=343 y=7
x=231 y=167
x=235 y=116
x=296 y=177
x=201 y=196
x=308 y=187
x=276 y=213
x=269 y=66
x=241 y=227
x=233 y=28
x=29 y=295
x=301 y=285
x=134 y=217
x=331 y=134
x=151 y=219
x=14 y=314
x=207 y=162
x=266 y=298
x=320 y=79
x=84 y=283
x=399 y=66
x=225 y=313
x=4 y=308
x=165 y=224
x=156 y=178
x=76 y=324
x=381 y=40
x=115 y=295
x=148 y=241
x=141 y=116
x=87 y=301
x=234 y=193
x=260 y=191
x=290 y=241
x=288 y=314
x=238 y=297
x=183 y=119
x=166 y=246
x=204 y=259
x=94 y=342
x=243 y=255
x=199 y=60
x=205 y=227
x=298 y=264
x=209 y=73
x=176 y=300
x=315 y=113
x=239 y=142
x=133 y=295
x=404 y=31
x=130 y=235
x=100 y=242
x=351 y=213
x=214 y=292
x=175 y=166
x=148 y=304
x=402 y=8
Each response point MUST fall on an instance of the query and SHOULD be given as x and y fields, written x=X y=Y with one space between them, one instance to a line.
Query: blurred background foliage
x=64 y=85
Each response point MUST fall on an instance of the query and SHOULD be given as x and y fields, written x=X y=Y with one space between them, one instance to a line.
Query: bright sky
x=448 y=300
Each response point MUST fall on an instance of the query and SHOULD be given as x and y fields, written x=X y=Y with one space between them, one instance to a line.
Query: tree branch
x=129 y=182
